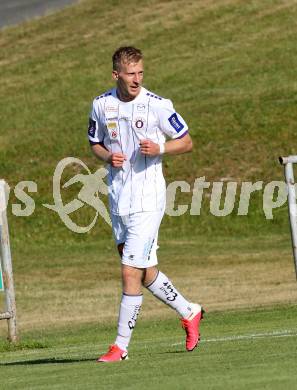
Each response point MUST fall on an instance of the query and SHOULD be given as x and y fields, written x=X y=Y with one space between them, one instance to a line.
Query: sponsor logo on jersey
x=140 y=107
x=92 y=128
x=111 y=109
x=112 y=125
x=139 y=123
x=175 y=123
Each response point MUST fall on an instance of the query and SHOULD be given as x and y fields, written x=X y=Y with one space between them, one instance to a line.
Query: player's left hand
x=149 y=148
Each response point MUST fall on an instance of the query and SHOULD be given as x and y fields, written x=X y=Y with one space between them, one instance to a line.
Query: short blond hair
x=125 y=55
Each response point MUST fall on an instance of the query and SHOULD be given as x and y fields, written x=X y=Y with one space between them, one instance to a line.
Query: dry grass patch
x=222 y=276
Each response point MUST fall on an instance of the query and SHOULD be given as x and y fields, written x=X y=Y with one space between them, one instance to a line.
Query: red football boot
x=114 y=354
x=191 y=326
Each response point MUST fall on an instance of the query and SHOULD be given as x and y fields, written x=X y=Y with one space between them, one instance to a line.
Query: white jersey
x=119 y=126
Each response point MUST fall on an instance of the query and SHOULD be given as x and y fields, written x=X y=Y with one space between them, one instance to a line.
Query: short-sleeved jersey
x=139 y=185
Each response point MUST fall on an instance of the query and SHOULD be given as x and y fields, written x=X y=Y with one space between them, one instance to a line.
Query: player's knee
x=131 y=278
x=149 y=276
x=131 y=274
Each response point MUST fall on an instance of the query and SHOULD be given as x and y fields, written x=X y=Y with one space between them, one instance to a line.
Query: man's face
x=129 y=79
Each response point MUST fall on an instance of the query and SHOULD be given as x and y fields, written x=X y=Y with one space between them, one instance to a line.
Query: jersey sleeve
x=95 y=128
x=171 y=123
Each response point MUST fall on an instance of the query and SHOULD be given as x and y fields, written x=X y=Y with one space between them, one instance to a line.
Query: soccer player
x=128 y=129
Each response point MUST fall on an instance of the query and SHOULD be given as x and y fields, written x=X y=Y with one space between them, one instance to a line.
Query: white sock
x=163 y=289
x=129 y=310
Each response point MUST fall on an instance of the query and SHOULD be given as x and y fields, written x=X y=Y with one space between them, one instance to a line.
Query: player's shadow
x=47 y=361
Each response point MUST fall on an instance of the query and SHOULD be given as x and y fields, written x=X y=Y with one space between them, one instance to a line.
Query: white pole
x=289 y=175
x=5 y=258
x=289 y=159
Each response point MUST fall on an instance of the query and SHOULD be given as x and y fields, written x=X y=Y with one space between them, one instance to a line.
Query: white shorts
x=139 y=232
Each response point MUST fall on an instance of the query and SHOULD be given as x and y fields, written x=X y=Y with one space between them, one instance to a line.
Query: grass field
x=254 y=349
x=229 y=66
x=229 y=72
x=68 y=304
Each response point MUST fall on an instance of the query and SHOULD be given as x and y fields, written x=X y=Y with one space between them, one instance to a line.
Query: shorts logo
x=175 y=123
x=139 y=123
x=140 y=107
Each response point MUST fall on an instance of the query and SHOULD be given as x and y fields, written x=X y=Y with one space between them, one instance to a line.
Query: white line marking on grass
x=251 y=336
x=75 y=352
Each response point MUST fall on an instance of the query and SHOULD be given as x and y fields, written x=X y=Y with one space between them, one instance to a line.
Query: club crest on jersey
x=114 y=134
x=139 y=123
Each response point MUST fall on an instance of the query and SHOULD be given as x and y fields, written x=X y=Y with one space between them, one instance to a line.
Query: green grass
x=67 y=304
x=239 y=350
x=229 y=67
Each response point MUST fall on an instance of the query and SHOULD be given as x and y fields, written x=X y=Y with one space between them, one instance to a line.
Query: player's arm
x=116 y=160
x=171 y=147
x=172 y=125
x=96 y=137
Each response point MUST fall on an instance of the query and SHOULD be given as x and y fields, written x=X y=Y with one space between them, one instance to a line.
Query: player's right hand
x=116 y=160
